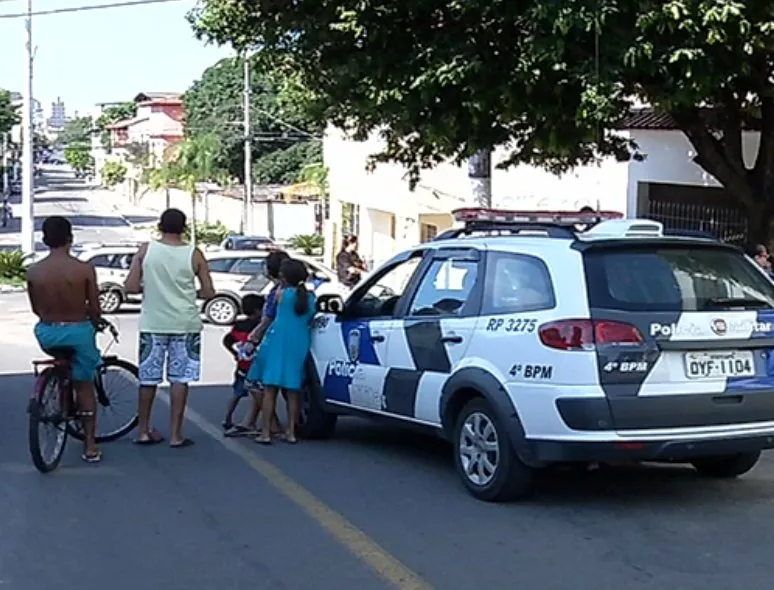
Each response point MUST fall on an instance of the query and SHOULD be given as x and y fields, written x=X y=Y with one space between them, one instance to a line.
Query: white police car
x=526 y=342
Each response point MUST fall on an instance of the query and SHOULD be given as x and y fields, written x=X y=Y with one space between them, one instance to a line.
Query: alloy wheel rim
x=479 y=449
x=222 y=311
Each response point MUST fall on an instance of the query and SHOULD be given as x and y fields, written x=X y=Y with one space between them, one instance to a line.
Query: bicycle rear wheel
x=47 y=427
x=115 y=385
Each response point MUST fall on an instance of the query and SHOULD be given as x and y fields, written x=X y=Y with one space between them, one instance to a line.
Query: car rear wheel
x=726 y=466
x=221 y=310
x=110 y=300
x=485 y=459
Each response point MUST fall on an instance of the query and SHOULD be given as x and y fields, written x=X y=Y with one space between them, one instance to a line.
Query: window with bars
x=427 y=232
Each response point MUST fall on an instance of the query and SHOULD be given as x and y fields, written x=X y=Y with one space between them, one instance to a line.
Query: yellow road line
x=356 y=541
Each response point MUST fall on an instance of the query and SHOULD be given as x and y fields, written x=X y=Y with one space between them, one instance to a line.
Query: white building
x=387 y=217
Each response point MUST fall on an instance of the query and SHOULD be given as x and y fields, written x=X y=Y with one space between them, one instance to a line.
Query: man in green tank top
x=165 y=271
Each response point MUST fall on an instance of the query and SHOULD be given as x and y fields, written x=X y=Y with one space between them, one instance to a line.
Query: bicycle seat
x=63 y=353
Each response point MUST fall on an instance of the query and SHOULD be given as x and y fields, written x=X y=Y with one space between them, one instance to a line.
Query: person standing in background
x=762 y=257
x=349 y=265
x=165 y=271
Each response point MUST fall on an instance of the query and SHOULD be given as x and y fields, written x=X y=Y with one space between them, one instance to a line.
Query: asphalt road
x=373 y=508
x=58 y=192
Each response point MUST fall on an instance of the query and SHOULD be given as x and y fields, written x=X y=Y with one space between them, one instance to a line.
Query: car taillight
x=585 y=334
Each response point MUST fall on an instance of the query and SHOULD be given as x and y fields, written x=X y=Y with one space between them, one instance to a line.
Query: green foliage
x=76 y=131
x=214 y=105
x=208 y=233
x=9 y=113
x=13 y=266
x=138 y=154
x=113 y=173
x=283 y=166
x=79 y=157
x=309 y=244
x=196 y=161
x=315 y=174
x=550 y=81
x=113 y=114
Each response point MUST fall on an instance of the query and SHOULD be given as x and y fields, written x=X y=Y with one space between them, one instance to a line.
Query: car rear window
x=677 y=278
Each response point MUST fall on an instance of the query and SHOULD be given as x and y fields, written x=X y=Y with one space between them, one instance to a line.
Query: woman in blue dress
x=280 y=361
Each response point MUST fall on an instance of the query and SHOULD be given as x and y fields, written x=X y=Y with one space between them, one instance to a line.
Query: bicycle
x=54 y=403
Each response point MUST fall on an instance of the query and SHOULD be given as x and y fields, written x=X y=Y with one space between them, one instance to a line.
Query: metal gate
x=697 y=208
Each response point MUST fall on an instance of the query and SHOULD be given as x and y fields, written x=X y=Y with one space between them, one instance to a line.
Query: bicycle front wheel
x=116 y=386
x=47 y=428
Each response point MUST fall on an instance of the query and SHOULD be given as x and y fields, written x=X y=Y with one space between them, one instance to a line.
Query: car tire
x=316 y=423
x=497 y=475
x=726 y=466
x=110 y=300
x=221 y=310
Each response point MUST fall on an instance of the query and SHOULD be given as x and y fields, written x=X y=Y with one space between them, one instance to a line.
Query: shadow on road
x=60 y=199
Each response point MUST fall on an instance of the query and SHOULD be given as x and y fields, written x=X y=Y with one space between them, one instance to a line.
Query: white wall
x=670 y=160
x=447 y=187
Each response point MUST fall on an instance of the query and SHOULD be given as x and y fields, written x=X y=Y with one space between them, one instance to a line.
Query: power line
x=83 y=8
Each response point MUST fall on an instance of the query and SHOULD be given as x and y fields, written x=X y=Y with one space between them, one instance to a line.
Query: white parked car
x=111 y=263
x=236 y=273
x=529 y=338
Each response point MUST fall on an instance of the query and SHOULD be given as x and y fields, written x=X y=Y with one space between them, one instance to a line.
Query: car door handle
x=452 y=339
x=377 y=338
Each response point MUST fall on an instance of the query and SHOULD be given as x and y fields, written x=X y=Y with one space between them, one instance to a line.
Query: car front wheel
x=484 y=457
x=221 y=310
x=726 y=466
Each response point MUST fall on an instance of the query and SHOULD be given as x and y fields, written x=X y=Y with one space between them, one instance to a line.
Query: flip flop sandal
x=186 y=442
x=154 y=438
x=239 y=431
x=91 y=458
x=148 y=442
x=291 y=440
x=262 y=441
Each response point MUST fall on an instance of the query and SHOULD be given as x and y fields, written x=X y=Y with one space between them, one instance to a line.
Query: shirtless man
x=63 y=294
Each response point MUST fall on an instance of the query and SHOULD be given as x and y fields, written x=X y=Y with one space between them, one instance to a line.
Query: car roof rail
x=554 y=224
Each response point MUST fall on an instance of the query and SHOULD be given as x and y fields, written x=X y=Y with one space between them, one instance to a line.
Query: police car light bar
x=480 y=214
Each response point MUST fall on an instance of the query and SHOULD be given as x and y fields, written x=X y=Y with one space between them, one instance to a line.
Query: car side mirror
x=331 y=303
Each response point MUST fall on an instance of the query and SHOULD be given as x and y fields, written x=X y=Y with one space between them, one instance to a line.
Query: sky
x=102 y=55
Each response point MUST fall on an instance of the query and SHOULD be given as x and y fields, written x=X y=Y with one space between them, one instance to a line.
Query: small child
x=252 y=305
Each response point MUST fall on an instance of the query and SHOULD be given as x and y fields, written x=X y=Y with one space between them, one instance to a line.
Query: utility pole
x=5 y=165
x=28 y=163
x=480 y=176
x=248 y=198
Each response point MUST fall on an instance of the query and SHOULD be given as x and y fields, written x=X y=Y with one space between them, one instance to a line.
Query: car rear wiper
x=732 y=302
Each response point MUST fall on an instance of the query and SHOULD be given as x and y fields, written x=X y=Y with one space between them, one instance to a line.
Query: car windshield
x=675 y=278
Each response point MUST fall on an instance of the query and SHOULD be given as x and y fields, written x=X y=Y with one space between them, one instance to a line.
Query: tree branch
x=711 y=155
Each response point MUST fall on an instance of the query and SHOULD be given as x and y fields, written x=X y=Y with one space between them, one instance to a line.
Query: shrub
x=113 y=173
x=309 y=244
x=13 y=266
x=208 y=233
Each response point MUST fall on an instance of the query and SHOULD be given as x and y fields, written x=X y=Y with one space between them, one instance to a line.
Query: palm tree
x=195 y=163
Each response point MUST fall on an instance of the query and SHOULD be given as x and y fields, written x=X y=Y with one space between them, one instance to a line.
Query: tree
x=78 y=131
x=79 y=157
x=195 y=162
x=214 y=105
x=283 y=166
x=9 y=113
x=113 y=173
x=113 y=114
x=550 y=80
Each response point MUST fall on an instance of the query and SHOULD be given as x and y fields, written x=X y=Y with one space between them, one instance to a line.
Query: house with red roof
x=158 y=125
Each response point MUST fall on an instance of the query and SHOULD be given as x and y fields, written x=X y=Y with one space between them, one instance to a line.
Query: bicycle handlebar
x=106 y=325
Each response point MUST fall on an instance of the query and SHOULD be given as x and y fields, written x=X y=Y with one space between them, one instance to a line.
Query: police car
x=535 y=338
